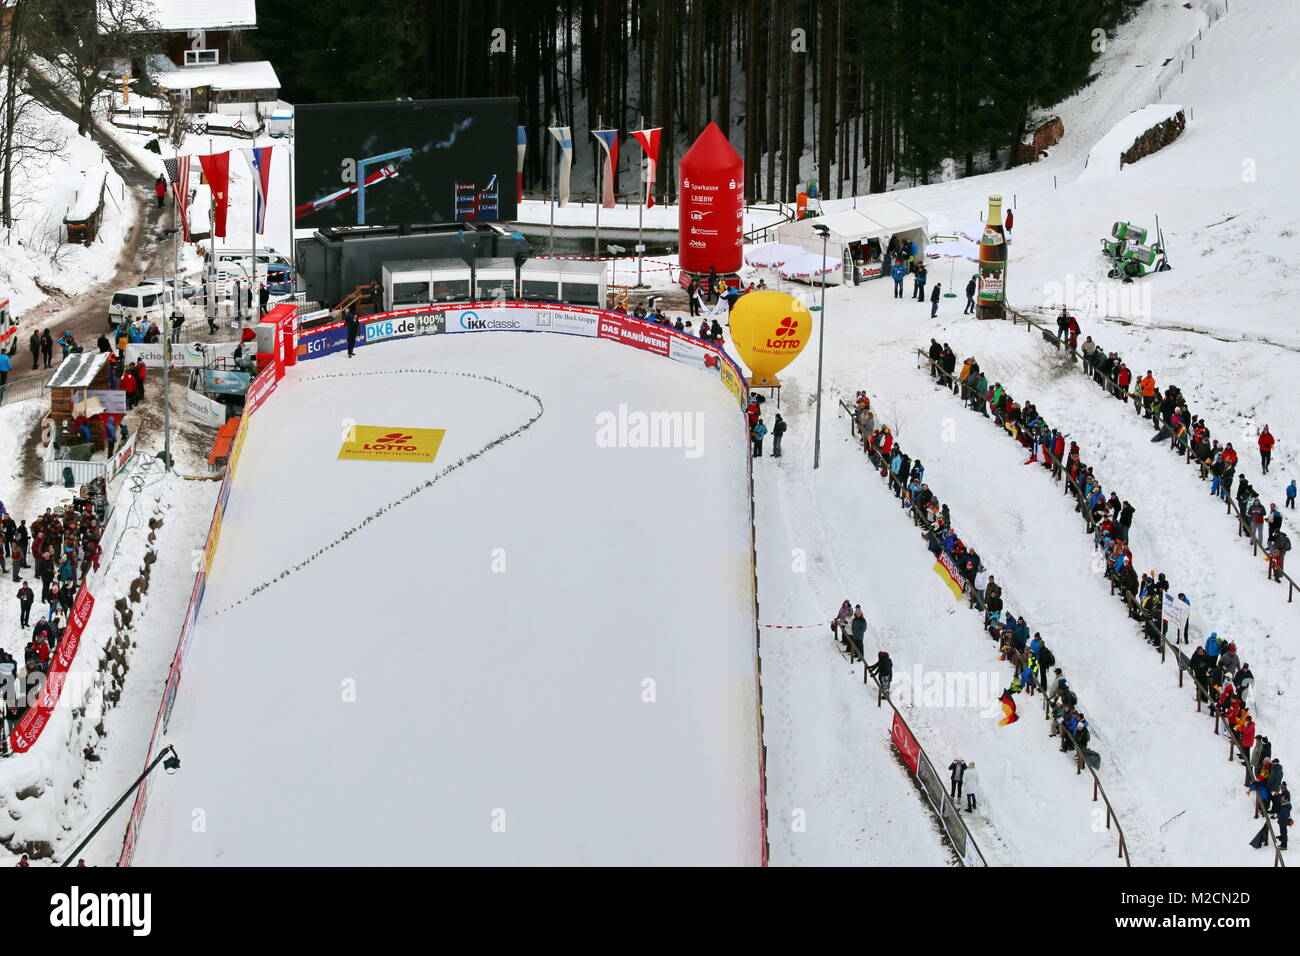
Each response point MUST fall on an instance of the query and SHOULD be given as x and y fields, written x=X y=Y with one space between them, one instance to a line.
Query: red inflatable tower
x=711 y=215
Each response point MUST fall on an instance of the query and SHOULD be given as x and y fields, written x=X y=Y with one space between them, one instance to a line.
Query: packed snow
x=546 y=656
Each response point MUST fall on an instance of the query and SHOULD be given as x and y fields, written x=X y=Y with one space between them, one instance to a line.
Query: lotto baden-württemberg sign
x=384 y=443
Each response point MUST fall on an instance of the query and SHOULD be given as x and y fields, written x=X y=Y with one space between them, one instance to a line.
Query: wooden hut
x=79 y=386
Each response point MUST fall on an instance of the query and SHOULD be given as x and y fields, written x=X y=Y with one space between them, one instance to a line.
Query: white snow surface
x=502 y=629
x=1104 y=158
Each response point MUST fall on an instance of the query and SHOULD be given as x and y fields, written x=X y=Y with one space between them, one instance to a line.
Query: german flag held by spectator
x=1009 y=709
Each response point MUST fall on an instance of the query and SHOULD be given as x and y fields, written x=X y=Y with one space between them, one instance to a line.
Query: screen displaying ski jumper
x=403 y=163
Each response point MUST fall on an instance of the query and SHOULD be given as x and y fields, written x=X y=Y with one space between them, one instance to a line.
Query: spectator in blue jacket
x=898 y=272
x=1290 y=494
x=758 y=434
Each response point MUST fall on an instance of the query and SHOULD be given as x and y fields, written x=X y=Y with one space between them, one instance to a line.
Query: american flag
x=178 y=174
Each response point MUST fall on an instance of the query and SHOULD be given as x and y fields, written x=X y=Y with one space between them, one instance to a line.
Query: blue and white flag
x=564 y=137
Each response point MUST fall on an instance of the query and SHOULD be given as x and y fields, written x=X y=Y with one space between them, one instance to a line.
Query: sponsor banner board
x=203 y=409
x=629 y=331
x=184 y=355
x=386 y=443
x=491 y=319
x=567 y=320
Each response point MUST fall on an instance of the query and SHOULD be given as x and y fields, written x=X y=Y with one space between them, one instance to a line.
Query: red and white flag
x=216 y=169
x=178 y=174
x=649 y=142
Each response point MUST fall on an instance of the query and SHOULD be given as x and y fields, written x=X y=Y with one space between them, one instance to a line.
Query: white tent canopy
x=960 y=248
x=810 y=265
x=880 y=221
x=772 y=254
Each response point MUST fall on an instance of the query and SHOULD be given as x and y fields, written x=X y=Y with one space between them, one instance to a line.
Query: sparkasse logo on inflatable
x=374 y=443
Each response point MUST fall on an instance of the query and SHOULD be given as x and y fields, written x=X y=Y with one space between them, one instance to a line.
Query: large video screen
x=399 y=163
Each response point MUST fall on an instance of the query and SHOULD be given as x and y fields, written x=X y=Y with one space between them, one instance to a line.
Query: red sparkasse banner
x=630 y=331
x=28 y=730
x=261 y=388
x=905 y=742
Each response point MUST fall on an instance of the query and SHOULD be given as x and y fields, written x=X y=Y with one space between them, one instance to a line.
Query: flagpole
x=555 y=187
x=255 y=300
x=601 y=159
x=640 y=214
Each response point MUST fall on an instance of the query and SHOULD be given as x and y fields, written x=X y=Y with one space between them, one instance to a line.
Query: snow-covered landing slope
x=550 y=650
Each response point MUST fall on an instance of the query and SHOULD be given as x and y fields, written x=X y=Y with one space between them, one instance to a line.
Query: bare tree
x=81 y=37
x=25 y=133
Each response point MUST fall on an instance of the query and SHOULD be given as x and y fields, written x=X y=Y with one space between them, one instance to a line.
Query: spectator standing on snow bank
x=777 y=431
x=898 y=272
x=160 y=190
x=1283 y=821
x=971 y=785
x=956 y=770
x=758 y=433
x=1266 y=442
x=25 y=600
x=918 y=285
x=1290 y=494
x=970 y=297
x=858 y=632
x=934 y=299
x=883 y=669
x=353 y=325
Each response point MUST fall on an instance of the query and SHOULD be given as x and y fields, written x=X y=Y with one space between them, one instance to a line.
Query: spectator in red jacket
x=140 y=373
x=1266 y=442
x=129 y=386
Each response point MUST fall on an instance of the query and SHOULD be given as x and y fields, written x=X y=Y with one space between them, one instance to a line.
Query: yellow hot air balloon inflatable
x=769 y=330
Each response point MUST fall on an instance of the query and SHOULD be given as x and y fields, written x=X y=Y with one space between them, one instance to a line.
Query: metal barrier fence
x=1017 y=662
x=1153 y=628
x=1178 y=443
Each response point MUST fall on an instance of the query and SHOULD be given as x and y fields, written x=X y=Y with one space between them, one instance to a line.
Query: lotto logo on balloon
x=769 y=330
x=789 y=328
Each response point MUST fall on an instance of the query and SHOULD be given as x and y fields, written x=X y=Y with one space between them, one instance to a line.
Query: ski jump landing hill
x=539 y=648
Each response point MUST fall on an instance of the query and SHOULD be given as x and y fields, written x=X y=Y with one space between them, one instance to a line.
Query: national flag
x=521 y=149
x=608 y=139
x=216 y=169
x=649 y=142
x=946 y=572
x=564 y=137
x=178 y=174
x=259 y=164
x=1008 y=708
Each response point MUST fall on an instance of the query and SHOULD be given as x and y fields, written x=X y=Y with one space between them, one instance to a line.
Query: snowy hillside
x=1219 y=325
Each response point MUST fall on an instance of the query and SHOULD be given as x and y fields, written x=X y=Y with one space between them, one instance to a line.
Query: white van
x=241 y=260
x=149 y=303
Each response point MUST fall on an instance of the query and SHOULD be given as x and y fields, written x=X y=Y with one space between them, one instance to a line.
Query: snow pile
x=1104 y=158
